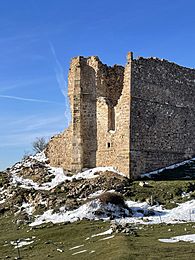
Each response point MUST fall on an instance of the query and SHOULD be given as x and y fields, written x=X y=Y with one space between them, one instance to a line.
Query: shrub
x=26 y=155
x=112 y=197
x=39 y=144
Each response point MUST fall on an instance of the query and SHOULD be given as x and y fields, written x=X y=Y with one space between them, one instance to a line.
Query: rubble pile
x=26 y=190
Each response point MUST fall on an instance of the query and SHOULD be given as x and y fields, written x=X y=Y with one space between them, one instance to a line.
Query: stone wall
x=95 y=82
x=89 y=81
x=162 y=114
x=59 y=150
x=136 y=118
x=114 y=144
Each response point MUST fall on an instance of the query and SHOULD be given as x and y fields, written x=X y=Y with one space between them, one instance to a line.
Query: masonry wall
x=59 y=150
x=114 y=142
x=162 y=114
x=96 y=93
x=136 y=118
x=88 y=111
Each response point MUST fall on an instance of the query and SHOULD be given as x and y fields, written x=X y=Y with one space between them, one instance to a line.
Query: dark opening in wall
x=108 y=145
x=111 y=118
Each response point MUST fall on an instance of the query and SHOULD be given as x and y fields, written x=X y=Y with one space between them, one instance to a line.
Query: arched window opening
x=111 y=118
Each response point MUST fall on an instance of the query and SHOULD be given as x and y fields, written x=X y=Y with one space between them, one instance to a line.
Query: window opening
x=111 y=118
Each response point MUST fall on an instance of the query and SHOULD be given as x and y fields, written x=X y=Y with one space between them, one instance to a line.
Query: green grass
x=167 y=193
x=147 y=246
x=50 y=237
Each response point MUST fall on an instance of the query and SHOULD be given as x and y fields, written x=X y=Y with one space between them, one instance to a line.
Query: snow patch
x=98 y=193
x=141 y=213
x=105 y=238
x=86 y=211
x=58 y=174
x=185 y=212
x=40 y=157
x=75 y=247
x=92 y=173
x=168 y=240
x=107 y=232
x=27 y=207
x=23 y=242
x=173 y=166
x=186 y=238
x=80 y=252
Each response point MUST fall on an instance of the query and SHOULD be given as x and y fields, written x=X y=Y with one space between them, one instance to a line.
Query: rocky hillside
x=35 y=193
x=31 y=187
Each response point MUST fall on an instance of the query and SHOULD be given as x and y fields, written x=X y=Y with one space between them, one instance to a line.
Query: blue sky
x=38 y=39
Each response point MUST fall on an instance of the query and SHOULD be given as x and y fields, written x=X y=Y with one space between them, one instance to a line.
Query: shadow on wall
x=88 y=116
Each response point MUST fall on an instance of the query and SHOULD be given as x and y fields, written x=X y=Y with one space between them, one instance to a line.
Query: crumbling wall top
x=163 y=61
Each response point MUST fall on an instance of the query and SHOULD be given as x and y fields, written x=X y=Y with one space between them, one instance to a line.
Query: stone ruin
x=136 y=118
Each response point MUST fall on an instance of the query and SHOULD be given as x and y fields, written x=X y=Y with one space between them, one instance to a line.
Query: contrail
x=61 y=82
x=30 y=99
x=59 y=72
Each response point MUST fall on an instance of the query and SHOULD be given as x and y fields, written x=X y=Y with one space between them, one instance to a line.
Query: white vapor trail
x=30 y=99
x=59 y=72
x=61 y=82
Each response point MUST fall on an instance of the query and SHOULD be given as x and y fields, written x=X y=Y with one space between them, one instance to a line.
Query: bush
x=26 y=155
x=113 y=198
x=39 y=144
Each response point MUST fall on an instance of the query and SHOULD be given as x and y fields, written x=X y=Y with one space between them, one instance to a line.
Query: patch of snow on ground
x=168 y=240
x=185 y=212
x=186 y=238
x=142 y=213
x=173 y=166
x=80 y=252
x=107 y=232
x=86 y=211
x=3 y=195
x=41 y=157
x=186 y=195
x=27 y=207
x=58 y=173
x=59 y=177
x=59 y=250
x=105 y=238
x=21 y=243
x=97 y=193
x=92 y=173
x=76 y=247
x=24 y=183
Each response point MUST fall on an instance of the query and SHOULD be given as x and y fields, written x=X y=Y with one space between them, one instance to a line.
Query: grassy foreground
x=55 y=241
x=167 y=193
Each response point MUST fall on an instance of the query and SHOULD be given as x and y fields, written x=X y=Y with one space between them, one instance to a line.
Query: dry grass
x=112 y=197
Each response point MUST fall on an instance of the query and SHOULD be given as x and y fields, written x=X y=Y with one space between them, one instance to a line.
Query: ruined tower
x=136 y=118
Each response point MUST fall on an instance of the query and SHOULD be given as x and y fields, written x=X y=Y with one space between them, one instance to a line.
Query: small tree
x=26 y=155
x=39 y=144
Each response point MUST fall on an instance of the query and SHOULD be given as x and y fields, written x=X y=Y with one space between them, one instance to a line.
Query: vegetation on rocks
x=20 y=206
x=167 y=193
x=113 y=198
